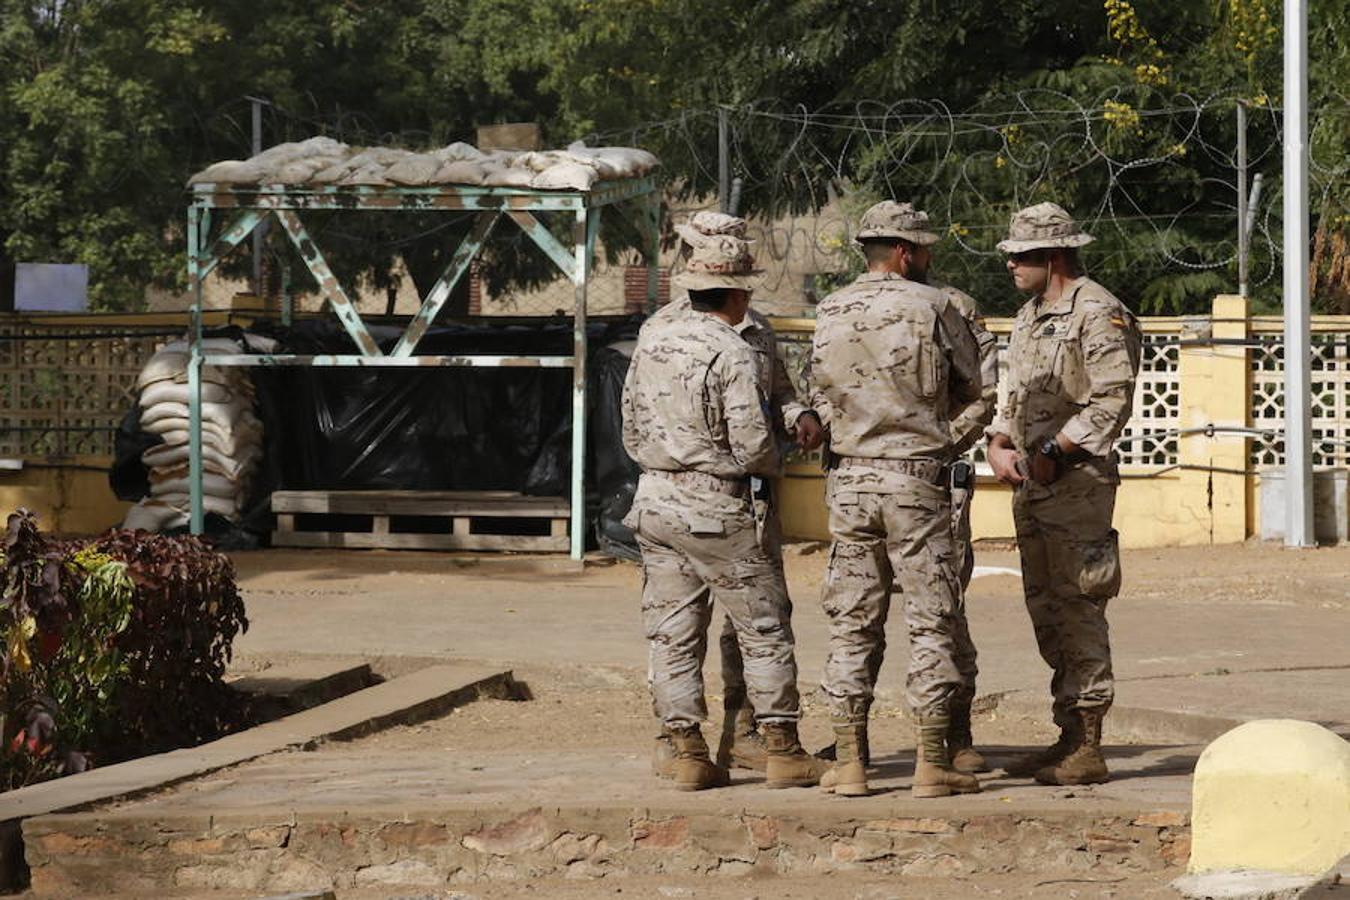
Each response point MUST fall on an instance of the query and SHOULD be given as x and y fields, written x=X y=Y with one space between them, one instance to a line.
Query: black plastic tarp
x=439 y=428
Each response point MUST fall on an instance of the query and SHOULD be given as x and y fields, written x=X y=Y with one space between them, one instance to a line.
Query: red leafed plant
x=111 y=649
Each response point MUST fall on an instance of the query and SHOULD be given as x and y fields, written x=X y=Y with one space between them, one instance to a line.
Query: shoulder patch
x=1119 y=322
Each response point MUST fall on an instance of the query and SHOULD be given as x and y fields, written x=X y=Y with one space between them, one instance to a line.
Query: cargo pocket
x=704 y=525
x=1090 y=569
x=767 y=613
x=1099 y=577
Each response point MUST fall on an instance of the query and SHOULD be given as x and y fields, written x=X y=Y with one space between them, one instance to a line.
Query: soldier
x=694 y=420
x=892 y=361
x=741 y=744
x=967 y=428
x=1072 y=364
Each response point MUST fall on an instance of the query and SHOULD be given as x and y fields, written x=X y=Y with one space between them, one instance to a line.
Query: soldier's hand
x=1003 y=460
x=810 y=433
x=1043 y=469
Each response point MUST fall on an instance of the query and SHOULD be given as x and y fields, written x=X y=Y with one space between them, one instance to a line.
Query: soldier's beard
x=916 y=274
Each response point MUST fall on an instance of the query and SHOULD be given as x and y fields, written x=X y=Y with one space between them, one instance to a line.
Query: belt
x=733 y=487
x=923 y=469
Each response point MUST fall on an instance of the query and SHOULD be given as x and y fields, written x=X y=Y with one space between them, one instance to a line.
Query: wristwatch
x=1051 y=449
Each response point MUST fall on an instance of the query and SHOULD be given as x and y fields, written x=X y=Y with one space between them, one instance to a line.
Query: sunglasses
x=1033 y=257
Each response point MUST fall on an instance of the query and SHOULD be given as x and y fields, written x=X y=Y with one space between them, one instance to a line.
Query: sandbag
x=565 y=176
x=230 y=445
x=173 y=392
x=168 y=456
x=235 y=414
x=509 y=176
x=213 y=485
x=218 y=505
x=154 y=515
x=462 y=171
x=417 y=170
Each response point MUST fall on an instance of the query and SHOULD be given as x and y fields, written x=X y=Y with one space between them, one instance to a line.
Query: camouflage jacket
x=891 y=363
x=692 y=402
x=784 y=405
x=968 y=427
x=1071 y=368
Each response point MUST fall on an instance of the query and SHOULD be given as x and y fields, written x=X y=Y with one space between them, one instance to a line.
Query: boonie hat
x=1044 y=226
x=889 y=219
x=705 y=224
x=719 y=261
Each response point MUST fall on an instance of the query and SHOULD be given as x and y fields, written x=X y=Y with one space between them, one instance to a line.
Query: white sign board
x=51 y=287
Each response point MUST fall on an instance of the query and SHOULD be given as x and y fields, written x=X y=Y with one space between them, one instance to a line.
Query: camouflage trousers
x=1070 y=569
x=963 y=556
x=683 y=575
x=901 y=539
x=733 y=665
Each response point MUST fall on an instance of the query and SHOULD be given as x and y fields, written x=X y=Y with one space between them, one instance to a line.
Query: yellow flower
x=19 y=634
x=1120 y=115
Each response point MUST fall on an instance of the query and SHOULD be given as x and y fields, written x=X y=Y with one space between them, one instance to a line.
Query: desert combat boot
x=741 y=745
x=864 y=747
x=933 y=773
x=663 y=755
x=961 y=745
x=1084 y=764
x=788 y=765
x=694 y=768
x=1028 y=764
x=848 y=777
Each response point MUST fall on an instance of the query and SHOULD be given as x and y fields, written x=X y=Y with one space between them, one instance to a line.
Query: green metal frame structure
x=248 y=206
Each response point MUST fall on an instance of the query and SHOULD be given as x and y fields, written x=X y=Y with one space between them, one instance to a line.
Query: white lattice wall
x=1330 y=398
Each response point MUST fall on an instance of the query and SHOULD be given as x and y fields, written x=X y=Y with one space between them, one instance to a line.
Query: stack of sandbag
x=231 y=437
x=323 y=161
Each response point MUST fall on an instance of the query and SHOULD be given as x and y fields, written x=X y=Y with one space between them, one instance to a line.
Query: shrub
x=112 y=648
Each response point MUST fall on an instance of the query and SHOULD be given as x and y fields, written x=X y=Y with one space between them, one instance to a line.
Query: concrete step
x=304 y=684
x=413 y=698
x=88 y=856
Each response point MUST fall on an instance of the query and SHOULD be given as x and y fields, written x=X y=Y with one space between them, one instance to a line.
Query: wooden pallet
x=420 y=520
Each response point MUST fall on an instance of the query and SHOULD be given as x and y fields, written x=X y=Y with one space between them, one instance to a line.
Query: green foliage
x=111 y=649
x=106 y=106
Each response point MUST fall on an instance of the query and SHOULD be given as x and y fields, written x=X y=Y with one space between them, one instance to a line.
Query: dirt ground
x=610 y=708
x=1232 y=631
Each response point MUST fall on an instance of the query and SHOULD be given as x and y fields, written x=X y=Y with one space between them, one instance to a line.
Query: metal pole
x=196 y=513
x=1252 y=202
x=734 y=205
x=581 y=237
x=1297 y=318
x=1242 y=197
x=261 y=230
x=723 y=162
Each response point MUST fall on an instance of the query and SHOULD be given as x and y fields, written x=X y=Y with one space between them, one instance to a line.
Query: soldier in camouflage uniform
x=741 y=744
x=694 y=420
x=892 y=362
x=966 y=429
x=1072 y=364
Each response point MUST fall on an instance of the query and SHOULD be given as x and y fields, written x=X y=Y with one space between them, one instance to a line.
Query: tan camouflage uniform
x=1072 y=365
x=694 y=420
x=784 y=410
x=967 y=428
x=891 y=362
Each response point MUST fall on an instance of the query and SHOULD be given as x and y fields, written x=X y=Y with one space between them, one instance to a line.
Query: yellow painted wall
x=72 y=498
